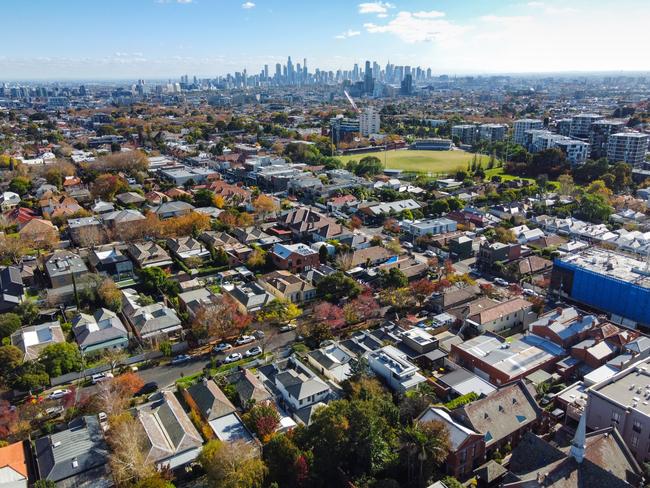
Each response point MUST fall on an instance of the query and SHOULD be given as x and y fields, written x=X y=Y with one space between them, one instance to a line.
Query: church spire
x=578 y=444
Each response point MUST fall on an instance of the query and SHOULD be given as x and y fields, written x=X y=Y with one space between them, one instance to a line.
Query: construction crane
x=354 y=105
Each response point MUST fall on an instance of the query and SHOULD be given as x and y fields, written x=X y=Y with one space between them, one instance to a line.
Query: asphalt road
x=167 y=374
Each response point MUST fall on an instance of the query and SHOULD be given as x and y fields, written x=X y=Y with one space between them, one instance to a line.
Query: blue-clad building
x=614 y=283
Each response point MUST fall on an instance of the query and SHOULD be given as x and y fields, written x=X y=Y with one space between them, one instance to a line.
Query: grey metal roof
x=102 y=326
x=73 y=451
x=211 y=401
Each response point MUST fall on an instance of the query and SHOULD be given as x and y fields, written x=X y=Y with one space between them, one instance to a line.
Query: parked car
x=407 y=245
x=253 y=351
x=56 y=394
x=102 y=417
x=546 y=399
x=288 y=327
x=530 y=293
x=99 y=377
x=183 y=358
x=429 y=253
x=258 y=334
x=224 y=346
x=501 y=282
x=245 y=339
x=234 y=357
x=147 y=389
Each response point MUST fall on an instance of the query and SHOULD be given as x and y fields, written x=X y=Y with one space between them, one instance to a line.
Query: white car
x=56 y=394
x=501 y=282
x=253 y=351
x=224 y=346
x=245 y=339
x=99 y=377
x=232 y=358
x=530 y=293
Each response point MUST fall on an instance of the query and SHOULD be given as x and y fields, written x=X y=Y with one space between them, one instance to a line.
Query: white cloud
x=247 y=5
x=551 y=9
x=380 y=8
x=432 y=14
x=501 y=19
x=419 y=27
x=347 y=34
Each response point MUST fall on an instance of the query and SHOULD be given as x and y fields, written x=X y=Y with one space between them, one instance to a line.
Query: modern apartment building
x=537 y=140
x=395 y=368
x=523 y=125
x=581 y=124
x=369 y=121
x=630 y=147
x=599 y=136
x=343 y=129
x=575 y=151
x=563 y=126
x=623 y=401
x=492 y=132
x=466 y=133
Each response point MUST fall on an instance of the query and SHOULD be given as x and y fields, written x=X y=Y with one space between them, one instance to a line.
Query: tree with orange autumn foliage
x=421 y=289
x=113 y=394
x=265 y=205
x=220 y=319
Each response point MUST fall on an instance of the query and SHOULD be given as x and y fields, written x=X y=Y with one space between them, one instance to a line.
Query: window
x=636 y=427
x=616 y=417
x=635 y=441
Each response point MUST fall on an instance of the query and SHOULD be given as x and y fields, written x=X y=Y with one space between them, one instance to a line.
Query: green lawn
x=433 y=162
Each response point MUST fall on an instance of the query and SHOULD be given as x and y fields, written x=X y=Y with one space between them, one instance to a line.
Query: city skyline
x=162 y=39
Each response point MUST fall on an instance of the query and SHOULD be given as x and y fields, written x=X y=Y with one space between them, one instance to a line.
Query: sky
x=161 y=39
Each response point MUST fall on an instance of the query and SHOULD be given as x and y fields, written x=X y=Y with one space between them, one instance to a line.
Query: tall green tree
x=232 y=465
x=61 y=358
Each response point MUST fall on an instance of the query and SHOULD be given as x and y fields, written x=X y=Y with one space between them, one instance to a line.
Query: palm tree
x=424 y=442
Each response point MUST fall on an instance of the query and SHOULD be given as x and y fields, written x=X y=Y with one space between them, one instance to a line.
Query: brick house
x=294 y=257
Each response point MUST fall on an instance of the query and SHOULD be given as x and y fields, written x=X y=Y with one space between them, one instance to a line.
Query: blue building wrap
x=609 y=294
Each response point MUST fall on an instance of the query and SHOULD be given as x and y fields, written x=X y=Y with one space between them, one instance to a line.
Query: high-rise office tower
x=266 y=71
x=290 y=72
x=406 y=87
x=368 y=81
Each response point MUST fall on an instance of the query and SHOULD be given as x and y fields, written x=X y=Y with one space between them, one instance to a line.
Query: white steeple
x=578 y=444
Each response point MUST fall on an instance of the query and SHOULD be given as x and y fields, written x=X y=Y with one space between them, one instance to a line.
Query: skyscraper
x=368 y=81
x=290 y=72
x=407 y=85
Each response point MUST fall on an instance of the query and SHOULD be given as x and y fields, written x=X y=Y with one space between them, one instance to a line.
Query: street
x=166 y=374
